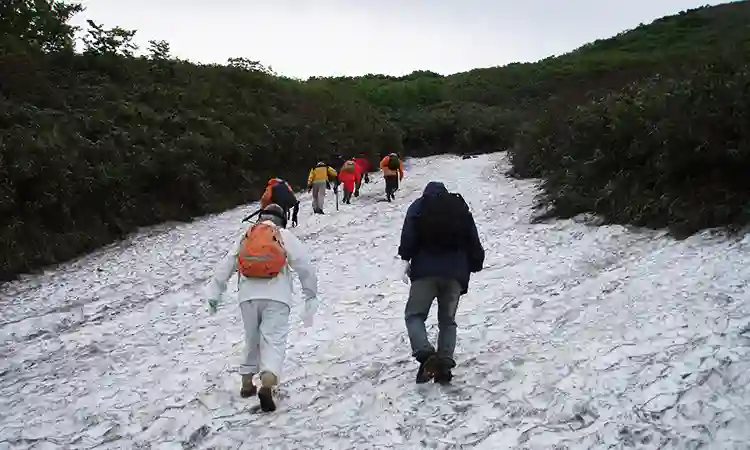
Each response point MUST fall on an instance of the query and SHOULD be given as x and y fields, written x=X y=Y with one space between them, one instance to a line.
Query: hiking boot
x=427 y=369
x=443 y=373
x=443 y=376
x=265 y=394
x=248 y=389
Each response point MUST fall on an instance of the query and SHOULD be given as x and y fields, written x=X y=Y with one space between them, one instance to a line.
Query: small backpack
x=443 y=222
x=393 y=162
x=349 y=166
x=262 y=253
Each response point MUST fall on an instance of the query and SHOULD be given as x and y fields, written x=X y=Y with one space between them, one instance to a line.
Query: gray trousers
x=423 y=291
x=266 y=329
x=318 y=195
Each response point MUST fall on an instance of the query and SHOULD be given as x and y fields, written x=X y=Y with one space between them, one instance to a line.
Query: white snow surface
x=573 y=336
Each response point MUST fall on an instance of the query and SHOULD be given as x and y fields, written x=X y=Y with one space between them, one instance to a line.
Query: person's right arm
x=408 y=245
x=310 y=178
x=223 y=271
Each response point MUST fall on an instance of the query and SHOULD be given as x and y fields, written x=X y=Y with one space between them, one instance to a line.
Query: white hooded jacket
x=279 y=288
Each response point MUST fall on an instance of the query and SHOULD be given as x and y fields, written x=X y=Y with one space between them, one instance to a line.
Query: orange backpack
x=262 y=253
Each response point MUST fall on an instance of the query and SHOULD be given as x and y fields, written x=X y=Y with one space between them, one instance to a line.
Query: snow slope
x=572 y=337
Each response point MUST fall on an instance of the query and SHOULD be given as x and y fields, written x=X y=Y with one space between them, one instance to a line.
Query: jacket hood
x=434 y=188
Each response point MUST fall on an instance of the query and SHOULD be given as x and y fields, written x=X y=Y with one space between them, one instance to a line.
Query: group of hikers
x=350 y=174
x=439 y=249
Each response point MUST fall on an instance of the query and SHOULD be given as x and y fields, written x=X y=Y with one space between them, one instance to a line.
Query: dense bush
x=456 y=127
x=663 y=152
x=659 y=135
x=93 y=146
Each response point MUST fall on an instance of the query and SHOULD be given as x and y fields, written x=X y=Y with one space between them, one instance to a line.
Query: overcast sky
x=302 y=38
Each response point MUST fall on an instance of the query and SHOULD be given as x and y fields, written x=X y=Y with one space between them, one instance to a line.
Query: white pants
x=266 y=329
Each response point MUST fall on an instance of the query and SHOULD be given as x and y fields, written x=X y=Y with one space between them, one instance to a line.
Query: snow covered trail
x=572 y=337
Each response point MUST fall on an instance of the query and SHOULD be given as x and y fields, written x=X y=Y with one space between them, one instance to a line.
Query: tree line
x=647 y=128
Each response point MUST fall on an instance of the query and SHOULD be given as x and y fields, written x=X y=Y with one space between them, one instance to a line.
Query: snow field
x=572 y=337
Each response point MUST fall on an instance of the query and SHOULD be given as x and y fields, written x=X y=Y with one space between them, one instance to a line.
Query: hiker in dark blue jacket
x=441 y=247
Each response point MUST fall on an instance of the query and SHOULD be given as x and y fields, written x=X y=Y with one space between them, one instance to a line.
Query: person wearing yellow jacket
x=393 y=172
x=318 y=182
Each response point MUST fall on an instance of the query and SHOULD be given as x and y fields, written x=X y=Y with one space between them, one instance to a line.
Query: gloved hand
x=406 y=271
x=311 y=305
x=309 y=188
x=213 y=305
x=294 y=220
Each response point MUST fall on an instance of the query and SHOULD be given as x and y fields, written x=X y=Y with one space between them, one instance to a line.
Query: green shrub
x=94 y=146
x=671 y=152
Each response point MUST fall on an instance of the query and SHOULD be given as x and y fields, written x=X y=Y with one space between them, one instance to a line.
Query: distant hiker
x=393 y=172
x=337 y=162
x=350 y=177
x=278 y=191
x=318 y=181
x=262 y=259
x=441 y=248
x=364 y=169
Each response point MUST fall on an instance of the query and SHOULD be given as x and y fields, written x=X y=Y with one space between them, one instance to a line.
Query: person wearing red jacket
x=364 y=170
x=350 y=177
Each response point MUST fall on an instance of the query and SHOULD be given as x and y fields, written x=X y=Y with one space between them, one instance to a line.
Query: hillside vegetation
x=94 y=145
x=648 y=127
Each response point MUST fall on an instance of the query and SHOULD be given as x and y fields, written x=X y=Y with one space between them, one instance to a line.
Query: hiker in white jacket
x=265 y=305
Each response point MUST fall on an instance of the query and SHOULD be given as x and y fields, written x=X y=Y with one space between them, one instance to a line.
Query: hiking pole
x=336 y=194
x=252 y=215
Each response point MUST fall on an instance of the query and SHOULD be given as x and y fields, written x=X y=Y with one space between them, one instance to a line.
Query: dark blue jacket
x=458 y=264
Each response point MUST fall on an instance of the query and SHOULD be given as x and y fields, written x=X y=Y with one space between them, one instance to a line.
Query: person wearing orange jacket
x=279 y=192
x=350 y=177
x=393 y=172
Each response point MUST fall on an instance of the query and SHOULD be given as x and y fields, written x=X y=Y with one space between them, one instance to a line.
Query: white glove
x=311 y=305
x=406 y=268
